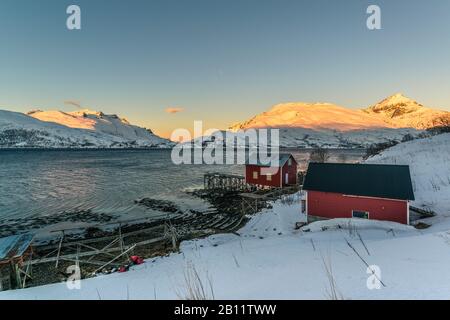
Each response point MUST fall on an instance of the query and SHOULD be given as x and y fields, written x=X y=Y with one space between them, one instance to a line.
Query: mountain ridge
x=401 y=111
x=78 y=129
x=395 y=111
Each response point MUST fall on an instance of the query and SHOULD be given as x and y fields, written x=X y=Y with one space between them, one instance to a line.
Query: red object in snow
x=123 y=269
x=281 y=174
x=136 y=260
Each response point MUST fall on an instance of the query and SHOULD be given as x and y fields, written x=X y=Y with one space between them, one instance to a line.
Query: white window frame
x=269 y=177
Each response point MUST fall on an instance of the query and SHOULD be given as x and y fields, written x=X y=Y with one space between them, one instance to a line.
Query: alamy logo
x=225 y=147
x=374 y=20
x=74 y=20
x=74 y=279
x=374 y=280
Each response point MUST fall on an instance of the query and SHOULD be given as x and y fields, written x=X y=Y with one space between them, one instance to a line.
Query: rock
x=160 y=205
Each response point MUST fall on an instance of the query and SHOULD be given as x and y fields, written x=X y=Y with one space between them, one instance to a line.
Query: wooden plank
x=111 y=261
x=72 y=256
x=95 y=240
x=90 y=253
x=94 y=262
x=59 y=250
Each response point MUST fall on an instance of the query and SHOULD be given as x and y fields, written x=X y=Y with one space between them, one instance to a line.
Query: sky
x=219 y=61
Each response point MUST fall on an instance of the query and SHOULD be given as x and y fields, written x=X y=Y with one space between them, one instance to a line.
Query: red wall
x=262 y=179
x=276 y=182
x=335 y=205
x=292 y=171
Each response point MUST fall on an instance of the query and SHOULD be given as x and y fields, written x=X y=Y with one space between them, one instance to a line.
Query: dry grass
x=332 y=292
x=196 y=288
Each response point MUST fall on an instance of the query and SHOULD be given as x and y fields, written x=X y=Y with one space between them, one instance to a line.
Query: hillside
x=56 y=129
x=429 y=161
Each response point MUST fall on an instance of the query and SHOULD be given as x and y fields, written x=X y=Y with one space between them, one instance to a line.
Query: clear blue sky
x=221 y=60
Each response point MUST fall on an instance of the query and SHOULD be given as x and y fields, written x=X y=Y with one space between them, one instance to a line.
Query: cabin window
x=255 y=174
x=289 y=162
x=269 y=177
x=360 y=214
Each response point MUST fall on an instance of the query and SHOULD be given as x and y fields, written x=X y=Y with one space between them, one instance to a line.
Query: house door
x=286 y=178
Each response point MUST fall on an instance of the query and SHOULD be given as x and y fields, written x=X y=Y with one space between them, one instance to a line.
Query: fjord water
x=47 y=183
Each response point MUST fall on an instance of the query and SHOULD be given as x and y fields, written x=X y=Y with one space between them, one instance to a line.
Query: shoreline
x=151 y=239
x=84 y=149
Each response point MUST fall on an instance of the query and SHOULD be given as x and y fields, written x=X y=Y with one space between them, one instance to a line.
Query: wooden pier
x=225 y=182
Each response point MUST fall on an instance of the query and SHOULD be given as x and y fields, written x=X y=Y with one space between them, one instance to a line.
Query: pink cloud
x=173 y=110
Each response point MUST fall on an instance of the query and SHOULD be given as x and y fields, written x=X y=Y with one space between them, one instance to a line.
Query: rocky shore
x=227 y=214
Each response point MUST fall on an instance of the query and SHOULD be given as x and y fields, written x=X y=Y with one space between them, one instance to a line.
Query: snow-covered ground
x=270 y=259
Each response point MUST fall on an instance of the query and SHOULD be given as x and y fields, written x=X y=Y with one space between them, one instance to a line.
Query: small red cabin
x=283 y=173
x=369 y=191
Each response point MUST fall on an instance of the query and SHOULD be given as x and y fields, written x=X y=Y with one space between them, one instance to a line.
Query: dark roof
x=370 y=180
x=282 y=158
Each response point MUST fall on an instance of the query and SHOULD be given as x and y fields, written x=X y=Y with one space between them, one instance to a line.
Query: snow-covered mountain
x=327 y=125
x=80 y=129
x=96 y=121
x=400 y=111
x=313 y=116
x=396 y=111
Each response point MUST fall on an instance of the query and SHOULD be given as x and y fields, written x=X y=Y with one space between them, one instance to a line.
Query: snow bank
x=355 y=223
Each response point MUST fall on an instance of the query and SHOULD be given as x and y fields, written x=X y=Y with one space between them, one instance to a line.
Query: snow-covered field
x=269 y=259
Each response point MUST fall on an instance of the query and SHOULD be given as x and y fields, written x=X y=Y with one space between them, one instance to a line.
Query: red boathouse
x=369 y=191
x=283 y=173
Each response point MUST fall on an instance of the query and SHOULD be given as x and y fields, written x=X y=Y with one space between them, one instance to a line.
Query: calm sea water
x=35 y=183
